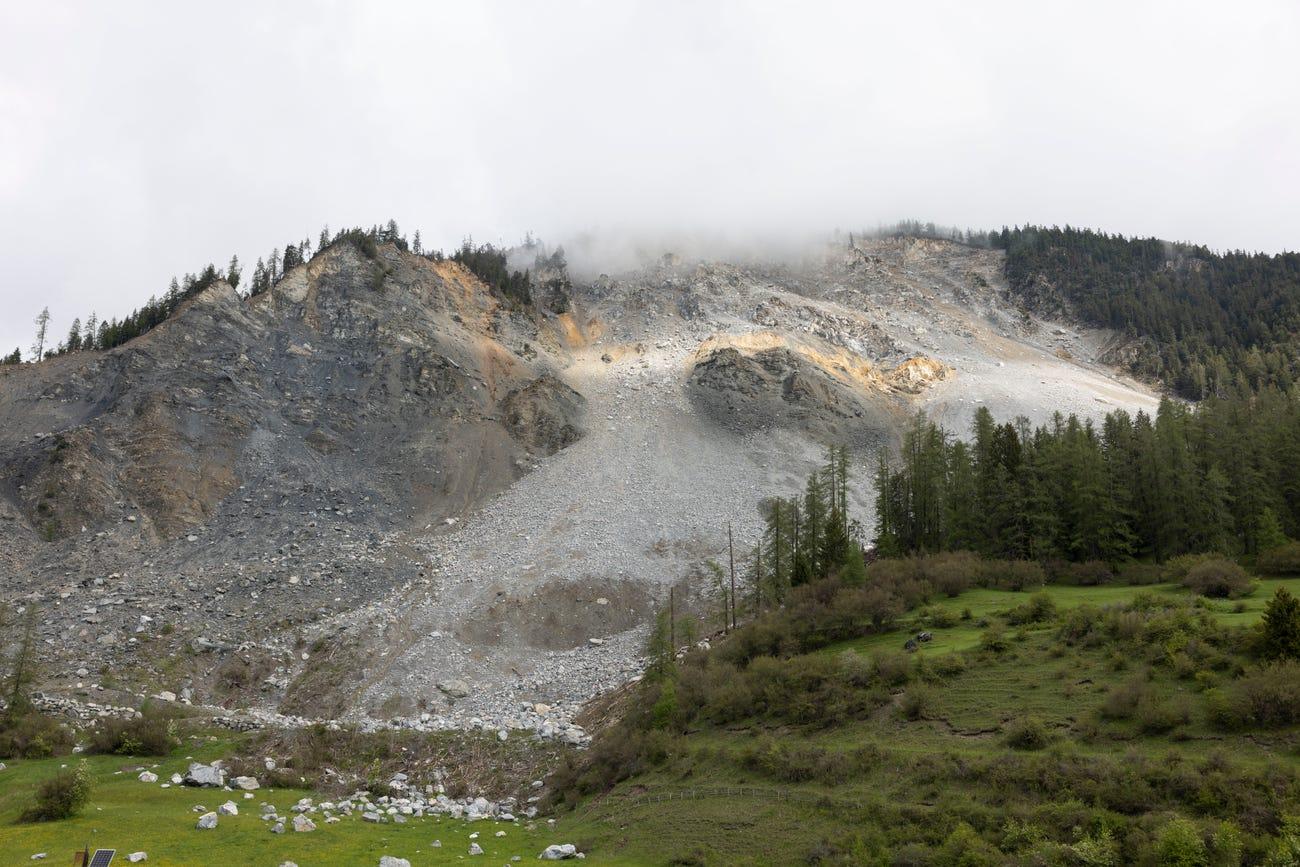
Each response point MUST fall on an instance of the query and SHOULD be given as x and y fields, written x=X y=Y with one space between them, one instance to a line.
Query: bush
x=151 y=734
x=33 y=736
x=938 y=618
x=1139 y=574
x=892 y=669
x=994 y=639
x=1013 y=574
x=1176 y=568
x=1040 y=608
x=61 y=796
x=951 y=573
x=1179 y=844
x=1088 y=574
x=1283 y=560
x=1267 y=698
x=1122 y=701
x=1218 y=578
x=1158 y=717
x=916 y=701
x=1027 y=734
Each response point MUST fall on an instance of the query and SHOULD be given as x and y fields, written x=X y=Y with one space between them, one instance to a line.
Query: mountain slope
x=379 y=477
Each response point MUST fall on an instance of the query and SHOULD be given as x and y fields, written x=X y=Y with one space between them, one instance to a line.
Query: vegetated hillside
x=1069 y=725
x=1206 y=323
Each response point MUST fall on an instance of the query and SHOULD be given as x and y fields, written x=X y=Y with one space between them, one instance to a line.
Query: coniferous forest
x=1217 y=477
x=1213 y=323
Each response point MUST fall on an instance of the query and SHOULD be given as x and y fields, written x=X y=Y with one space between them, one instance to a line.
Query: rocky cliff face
x=414 y=393
x=377 y=490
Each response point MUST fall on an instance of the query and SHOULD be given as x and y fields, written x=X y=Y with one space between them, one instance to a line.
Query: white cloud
x=139 y=140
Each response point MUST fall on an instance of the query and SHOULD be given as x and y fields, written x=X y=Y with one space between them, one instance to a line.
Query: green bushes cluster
x=801 y=690
x=153 y=733
x=786 y=763
x=1268 y=697
x=33 y=735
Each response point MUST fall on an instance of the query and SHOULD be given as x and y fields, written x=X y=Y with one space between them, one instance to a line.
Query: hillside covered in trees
x=1215 y=323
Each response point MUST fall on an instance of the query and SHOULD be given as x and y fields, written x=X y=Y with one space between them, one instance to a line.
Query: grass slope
x=130 y=816
x=900 y=788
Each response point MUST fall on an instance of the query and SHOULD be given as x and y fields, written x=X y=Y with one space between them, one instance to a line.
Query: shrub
x=892 y=669
x=664 y=712
x=1226 y=845
x=994 y=639
x=1176 y=568
x=1014 y=574
x=938 y=618
x=916 y=701
x=1283 y=560
x=1139 y=574
x=1179 y=844
x=1267 y=698
x=1122 y=701
x=966 y=847
x=1088 y=574
x=151 y=734
x=951 y=573
x=33 y=736
x=1027 y=734
x=1039 y=609
x=1286 y=850
x=61 y=796
x=1155 y=716
x=1218 y=578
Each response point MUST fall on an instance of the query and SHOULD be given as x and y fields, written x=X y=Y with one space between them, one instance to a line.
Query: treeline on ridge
x=486 y=261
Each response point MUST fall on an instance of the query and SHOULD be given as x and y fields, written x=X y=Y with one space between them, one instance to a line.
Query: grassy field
x=983 y=603
x=763 y=793
x=873 y=789
x=130 y=816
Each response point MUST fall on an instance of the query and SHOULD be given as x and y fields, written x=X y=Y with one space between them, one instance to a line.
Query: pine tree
x=1280 y=626
x=73 y=343
x=42 y=328
x=233 y=272
x=22 y=671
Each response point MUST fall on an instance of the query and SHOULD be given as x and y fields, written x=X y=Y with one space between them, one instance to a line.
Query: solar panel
x=102 y=858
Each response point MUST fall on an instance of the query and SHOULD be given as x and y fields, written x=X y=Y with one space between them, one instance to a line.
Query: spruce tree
x=42 y=329
x=1280 y=626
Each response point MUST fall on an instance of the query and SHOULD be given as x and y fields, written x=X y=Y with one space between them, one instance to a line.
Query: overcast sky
x=142 y=140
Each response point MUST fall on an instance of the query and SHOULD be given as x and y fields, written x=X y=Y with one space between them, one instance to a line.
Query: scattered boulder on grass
x=207 y=822
x=390 y=861
x=248 y=784
x=302 y=824
x=560 y=852
x=475 y=849
x=148 y=777
x=228 y=809
x=204 y=776
x=137 y=857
